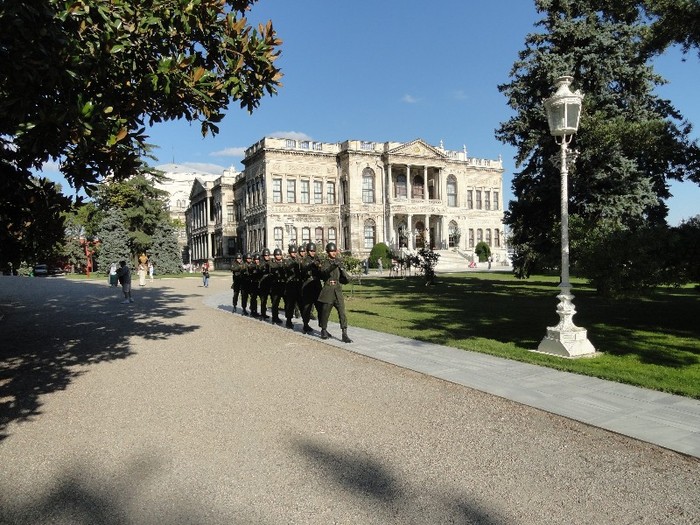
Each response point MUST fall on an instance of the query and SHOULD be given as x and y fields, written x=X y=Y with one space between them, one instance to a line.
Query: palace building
x=355 y=193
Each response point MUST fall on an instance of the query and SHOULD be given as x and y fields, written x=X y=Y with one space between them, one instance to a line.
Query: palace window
x=401 y=190
x=471 y=237
x=497 y=238
x=470 y=199
x=488 y=237
x=417 y=189
x=319 y=237
x=369 y=234
x=478 y=199
x=487 y=200
x=306 y=235
x=451 y=191
x=304 y=144
x=276 y=190
x=366 y=146
x=279 y=239
x=293 y=239
x=330 y=192
x=368 y=186
x=230 y=213
x=291 y=143
x=304 y=192
x=316 y=146
x=332 y=235
x=318 y=192
x=495 y=200
x=479 y=235
x=291 y=191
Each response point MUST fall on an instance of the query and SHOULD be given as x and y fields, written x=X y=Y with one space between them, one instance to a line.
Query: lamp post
x=563 y=111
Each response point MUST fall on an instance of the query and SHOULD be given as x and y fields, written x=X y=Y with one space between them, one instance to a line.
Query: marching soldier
x=254 y=273
x=278 y=276
x=292 y=287
x=311 y=285
x=237 y=269
x=265 y=282
x=246 y=283
x=334 y=276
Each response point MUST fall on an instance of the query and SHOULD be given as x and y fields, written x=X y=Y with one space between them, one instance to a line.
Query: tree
x=165 y=253
x=380 y=251
x=114 y=240
x=143 y=205
x=80 y=80
x=483 y=251
x=673 y=22
x=631 y=142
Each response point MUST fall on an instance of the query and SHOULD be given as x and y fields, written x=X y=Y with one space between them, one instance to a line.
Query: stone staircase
x=451 y=261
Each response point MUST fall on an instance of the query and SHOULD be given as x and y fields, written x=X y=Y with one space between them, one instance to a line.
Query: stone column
x=392 y=236
x=425 y=183
x=390 y=185
x=444 y=234
x=409 y=184
x=411 y=235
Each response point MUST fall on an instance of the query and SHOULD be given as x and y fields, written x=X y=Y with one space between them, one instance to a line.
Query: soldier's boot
x=276 y=320
x=289 y=324
x=325 y=334
x=345 y=337
x=307 y=329
x=245 y=312
x=234 y=309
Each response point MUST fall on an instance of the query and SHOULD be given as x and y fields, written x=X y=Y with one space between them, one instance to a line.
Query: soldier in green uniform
x=333 y=276
x=311 y=285
x=254 y=273
x=265 y=282
x=237 y=269
x=278 y=276
x=246 y=283
x=292 y=287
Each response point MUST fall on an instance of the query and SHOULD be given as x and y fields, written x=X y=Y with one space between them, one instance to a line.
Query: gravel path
x=166 y=411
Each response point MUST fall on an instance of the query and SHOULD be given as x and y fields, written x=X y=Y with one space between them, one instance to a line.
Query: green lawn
x=653 y=341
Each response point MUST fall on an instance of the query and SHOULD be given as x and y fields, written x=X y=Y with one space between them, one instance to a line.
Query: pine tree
x=631 y=142
x=114 y=241
x=165 y=253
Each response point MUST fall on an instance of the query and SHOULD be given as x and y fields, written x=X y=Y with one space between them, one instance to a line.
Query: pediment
x=197 y=188
x=417 y=148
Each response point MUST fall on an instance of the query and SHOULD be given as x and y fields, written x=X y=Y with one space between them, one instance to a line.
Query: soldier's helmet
x=301 y=249
x=330 y=247
x=256 y=256
x=239 y=256
x=248 y=255
x=311 y=247
x=292 y=249
x=265 y=252
x=277 y=252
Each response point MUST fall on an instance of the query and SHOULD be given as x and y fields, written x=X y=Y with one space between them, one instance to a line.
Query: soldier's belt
x=332 y=282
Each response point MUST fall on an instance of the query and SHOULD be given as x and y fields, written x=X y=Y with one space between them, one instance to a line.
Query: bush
x=380 y=251
x=483 y=251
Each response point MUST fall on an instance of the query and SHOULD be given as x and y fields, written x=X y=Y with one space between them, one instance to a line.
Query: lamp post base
x=570 y=343
x=566 y=339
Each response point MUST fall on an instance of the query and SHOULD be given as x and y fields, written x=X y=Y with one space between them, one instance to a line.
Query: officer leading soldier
x=333 y=276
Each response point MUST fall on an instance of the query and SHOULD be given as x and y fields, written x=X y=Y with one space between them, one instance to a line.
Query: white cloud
x=192 y=167
x=296 y=135
x=460 y=94
x=409 y=99
x=229 y=152
x=50 y=167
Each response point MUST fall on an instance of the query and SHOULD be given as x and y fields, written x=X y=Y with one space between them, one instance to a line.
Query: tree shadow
x=368 y=478
x=53 y=328
x=461 y=307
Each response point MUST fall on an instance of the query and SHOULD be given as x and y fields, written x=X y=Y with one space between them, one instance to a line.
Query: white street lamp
x=565 y=339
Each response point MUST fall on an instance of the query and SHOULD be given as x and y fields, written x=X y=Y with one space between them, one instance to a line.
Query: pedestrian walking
x=113 y=279
x=380 y=266
x=205 y=275
x=124 y=277
x=150 y=270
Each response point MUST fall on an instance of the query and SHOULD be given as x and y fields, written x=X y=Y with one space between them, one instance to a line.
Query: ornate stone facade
x=359 y=193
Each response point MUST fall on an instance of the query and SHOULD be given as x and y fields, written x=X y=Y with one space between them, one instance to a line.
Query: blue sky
x=397 y=70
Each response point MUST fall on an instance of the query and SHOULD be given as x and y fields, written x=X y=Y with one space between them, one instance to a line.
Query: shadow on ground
x=53 y=327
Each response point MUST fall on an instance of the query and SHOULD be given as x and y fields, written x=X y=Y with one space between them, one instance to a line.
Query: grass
x=652 y=342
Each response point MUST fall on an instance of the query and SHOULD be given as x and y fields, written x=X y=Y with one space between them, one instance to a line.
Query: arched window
x=479 y=235
x=401 y=186
x=306 y=235
x=332 y=237
x=368 y=186
x=279 y=241
x=319 y=237
x=488 y=237
x=370 y=234
x=497 y=238
x=451 y=191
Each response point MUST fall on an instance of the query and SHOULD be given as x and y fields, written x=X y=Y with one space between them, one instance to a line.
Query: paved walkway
x=670 y=421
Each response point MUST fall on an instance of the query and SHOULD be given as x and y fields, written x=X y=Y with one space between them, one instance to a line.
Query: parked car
x=41 y=270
